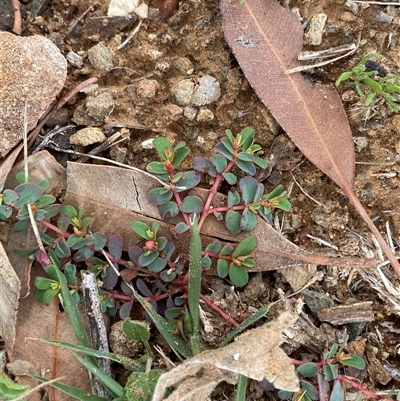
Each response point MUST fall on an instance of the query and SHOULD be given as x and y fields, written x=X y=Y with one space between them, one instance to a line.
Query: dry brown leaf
x=9 y=296
x=266 y=40
x=255 y=354
x=46 y=321
x=116 y=197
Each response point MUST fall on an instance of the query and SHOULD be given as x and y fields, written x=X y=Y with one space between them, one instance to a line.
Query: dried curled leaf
x=255 y=354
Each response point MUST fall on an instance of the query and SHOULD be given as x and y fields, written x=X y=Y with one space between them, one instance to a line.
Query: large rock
x=32 y=71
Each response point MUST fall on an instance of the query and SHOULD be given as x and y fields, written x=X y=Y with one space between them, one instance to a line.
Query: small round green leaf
x=310 y=390
x=62 y=249
x=114 y=245
x=5 y=212
x=159 y=196
x=69 y=211
x=148 y=258
x=206 y=261
x=283 y=204
x=181 y=227
x=238 y=275
x=248 y=220
x=49 y=294
x=353 y=360
x=28 y=193
x=262 y=163
x=191 y=204
x=214 y=247
x=45 y=200
x=232 y=221
x=230 y=178
x=337 y=393
x=189 y=180
x=83 y=254
x=248 y=186
x=247 y=157
x=179 y=156
x=285 y=395
x=100 y=241
x=222 y=268
x=141 y=229
x=136 y=330
x=10 y=196
x=308 y=369
x=157 y=168
x=245 y=246
x=167 y=275
x=43 y=283
x=219 y=162
x=163 y=147
x=226 y=250
x=220 y=148
x=233 y=198
x=168 y=210
x=157 y=265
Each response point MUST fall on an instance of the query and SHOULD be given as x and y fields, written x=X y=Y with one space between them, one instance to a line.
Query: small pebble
x=205 y=115
x=183 y=65
x=121 y=8
x=99 y=107
x=351 y=6
x=190 y=112
x=317 y=25
x=101 y=58
x=75 y=59
x=173 y=111
x=183 y=91
x=118 y=153
x=147 y=88
x=207 y=91
x=87 y=136
x=148 y=144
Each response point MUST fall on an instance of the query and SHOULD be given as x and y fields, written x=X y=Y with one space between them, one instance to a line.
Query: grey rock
x=87 y=136
x=184 y=65
x=316 y=300
x=101 y=58
x=317 y=25
x=190 y=112
x=353 y=7
x=118 y=153
x=207 y=91
x=99 y=107
x=183 y=91
x=33 y=72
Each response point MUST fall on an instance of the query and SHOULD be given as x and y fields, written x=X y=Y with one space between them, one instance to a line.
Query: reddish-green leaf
x=189 y=180
x=159 y=196
x=232 y=221
x=248 y=220
x=353 y=360
x=248 y=186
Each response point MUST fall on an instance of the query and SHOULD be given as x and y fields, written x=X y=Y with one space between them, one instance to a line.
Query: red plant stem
x=213 y=191
x=54 y=228
x=359 y=387
x=216 y=255
x=223 y=314
x=225 y=209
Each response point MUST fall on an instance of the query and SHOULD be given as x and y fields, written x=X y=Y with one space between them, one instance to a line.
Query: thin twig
x=17 y=17
x=309 y=67
x=31 y=216
x=381 y=3
x=35 y=132
x=131 y=35
x=72 y=26
x=163 y=183
x=38 y=387
x=306 y=194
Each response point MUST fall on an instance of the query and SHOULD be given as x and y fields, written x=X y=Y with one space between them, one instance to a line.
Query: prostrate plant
x=368 y=75
x=151 y=273
x=328 y=382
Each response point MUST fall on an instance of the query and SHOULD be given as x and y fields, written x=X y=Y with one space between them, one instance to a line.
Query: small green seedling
x=368 y=85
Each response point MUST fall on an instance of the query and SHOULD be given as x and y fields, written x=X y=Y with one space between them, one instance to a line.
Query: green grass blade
x=128 y=363
x=248 y=322
x=194 y=283
x=241 y=388
x=110 y=384
x=71 y=391
x=176 y=342
x=73 y=314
